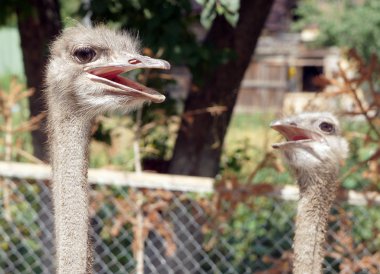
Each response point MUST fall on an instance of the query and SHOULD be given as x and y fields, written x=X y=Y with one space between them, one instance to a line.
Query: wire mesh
x=175 y=233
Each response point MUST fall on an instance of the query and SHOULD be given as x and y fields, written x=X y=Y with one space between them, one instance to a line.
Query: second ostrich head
x=85 y=68
x=314 y=149
x=312 y=141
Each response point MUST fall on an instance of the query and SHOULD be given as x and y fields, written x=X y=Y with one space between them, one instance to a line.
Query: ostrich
x=314 y=150
x=82 y=80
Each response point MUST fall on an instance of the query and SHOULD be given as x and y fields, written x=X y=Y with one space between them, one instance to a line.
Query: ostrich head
x=84 y=71
x=312 y=141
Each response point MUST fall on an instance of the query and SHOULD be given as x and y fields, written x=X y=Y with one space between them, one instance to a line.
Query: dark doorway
x=309 y=73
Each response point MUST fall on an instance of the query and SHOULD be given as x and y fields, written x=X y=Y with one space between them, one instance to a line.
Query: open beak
x=294 y=135
x=110 y=75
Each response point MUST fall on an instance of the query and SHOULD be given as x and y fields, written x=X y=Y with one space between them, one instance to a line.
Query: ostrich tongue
x=110 y=75
x=294 y=135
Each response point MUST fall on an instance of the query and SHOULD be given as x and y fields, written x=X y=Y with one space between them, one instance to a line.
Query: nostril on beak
x=293 y=124
x=134 y=61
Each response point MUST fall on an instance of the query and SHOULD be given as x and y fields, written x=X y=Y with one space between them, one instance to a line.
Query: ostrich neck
x=69 y=138
x=317 y=193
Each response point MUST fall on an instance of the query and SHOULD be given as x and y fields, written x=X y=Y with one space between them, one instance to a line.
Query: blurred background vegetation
x=176 y=31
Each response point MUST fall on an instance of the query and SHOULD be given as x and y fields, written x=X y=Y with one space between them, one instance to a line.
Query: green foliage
x=69 y=10
x=360 y=150
x=345 y=24
x=8 y=11
x=212 y=8
x=102 y=134
x=255 y=234
x=246 y=146
x=23 y=244
x=162 y=25
x=234 y=160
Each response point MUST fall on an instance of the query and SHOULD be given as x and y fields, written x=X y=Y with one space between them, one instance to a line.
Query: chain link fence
x=147 y=230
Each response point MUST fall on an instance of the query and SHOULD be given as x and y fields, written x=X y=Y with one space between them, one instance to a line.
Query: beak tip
x=274 y=124
x=160 y=99
x=166 y=64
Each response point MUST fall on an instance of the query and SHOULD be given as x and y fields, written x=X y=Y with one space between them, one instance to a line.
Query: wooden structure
x=282 y=64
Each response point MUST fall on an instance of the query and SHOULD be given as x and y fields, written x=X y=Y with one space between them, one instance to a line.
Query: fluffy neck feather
x=69 y=138
x=317 y=193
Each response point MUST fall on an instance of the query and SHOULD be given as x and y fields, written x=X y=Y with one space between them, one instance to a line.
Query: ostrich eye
x=326 y=127
x=84 y=55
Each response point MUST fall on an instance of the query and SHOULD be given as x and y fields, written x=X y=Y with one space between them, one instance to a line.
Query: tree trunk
x=200 y=140
x=39 y=22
